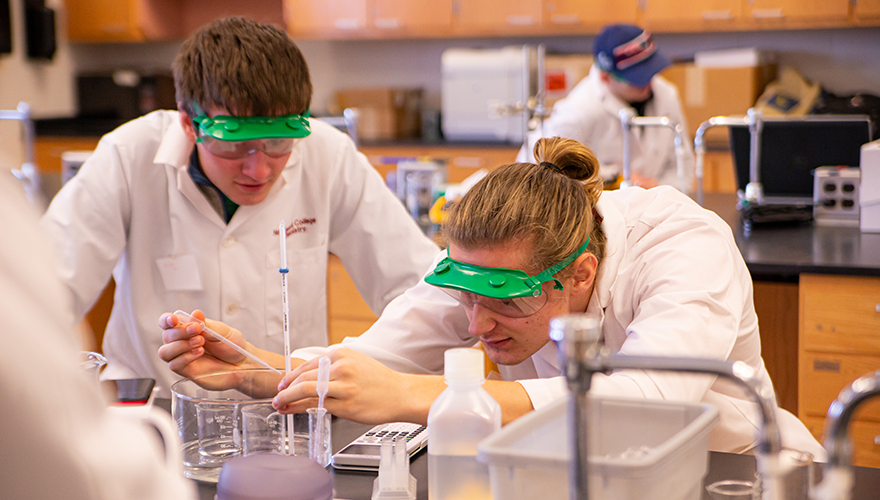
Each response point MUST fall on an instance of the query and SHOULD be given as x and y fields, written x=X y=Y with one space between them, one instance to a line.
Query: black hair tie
x=551 y=166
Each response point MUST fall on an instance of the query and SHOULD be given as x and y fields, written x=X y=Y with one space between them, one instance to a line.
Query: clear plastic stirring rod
x=189 y=318
x=282 y=235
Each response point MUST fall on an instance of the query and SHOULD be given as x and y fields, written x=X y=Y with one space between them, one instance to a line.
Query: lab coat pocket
x=306 y=296
x=180 y=273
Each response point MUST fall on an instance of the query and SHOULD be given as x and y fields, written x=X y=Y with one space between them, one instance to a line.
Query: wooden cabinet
x=347 y=313
x=411 y=17
x=491 y=16
x=564 y=15
x=660 y=15
x=780 y=13
x=148 y=20
x=332 y=18
x=123 y=20
x=866 y=11
x=48 y=150
x=839 y=342
x=461 y=161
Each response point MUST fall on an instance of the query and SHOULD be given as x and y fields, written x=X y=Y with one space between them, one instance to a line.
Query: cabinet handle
x=346 y=24
x=113 y=28
x=768 y=14
x=876 y=439
x=877 y=307
x=565 y=19
x=520 y=20
x=388 y=23
x=717 y=15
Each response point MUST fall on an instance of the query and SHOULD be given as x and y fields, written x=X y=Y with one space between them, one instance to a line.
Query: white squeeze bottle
x=460 y=418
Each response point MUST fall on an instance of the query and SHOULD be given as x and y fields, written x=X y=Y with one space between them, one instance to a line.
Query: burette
x=286 y=431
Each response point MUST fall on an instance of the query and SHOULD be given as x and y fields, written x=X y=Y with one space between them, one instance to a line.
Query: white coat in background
x=672 y=283
x=134 y=210
x=589 y=114
x=59 y=441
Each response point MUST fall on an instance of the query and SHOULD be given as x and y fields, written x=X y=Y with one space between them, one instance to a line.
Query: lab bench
x=817 y=295
x=352 y=485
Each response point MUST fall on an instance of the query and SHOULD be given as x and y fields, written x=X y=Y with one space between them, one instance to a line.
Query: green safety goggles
x=236 y=137
x=509 y=292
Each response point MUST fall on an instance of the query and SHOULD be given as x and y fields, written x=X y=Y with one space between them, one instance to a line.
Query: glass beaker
x=92 y=363
x=263 y=431
x=732 y=489
x=192 y=403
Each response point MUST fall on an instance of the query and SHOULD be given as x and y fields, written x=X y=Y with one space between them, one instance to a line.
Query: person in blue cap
x=625 y=73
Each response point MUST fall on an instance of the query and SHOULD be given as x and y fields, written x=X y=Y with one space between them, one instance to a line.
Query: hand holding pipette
x=189 y=318
x=319 y=434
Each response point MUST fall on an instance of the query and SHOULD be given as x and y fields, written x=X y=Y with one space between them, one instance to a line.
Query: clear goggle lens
x=237 y=150
x=517 y=307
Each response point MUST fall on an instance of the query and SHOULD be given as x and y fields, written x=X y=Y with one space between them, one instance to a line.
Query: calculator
x=364 y=452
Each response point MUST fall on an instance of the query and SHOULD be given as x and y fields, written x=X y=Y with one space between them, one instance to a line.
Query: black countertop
x=351 y=485
x=781 y=252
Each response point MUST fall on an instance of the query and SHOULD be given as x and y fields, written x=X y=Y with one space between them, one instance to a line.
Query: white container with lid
x=637 y=448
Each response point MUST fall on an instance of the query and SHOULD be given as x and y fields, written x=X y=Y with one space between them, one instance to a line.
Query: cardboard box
x=384 y=113
x=707 y=92
x=562 y=73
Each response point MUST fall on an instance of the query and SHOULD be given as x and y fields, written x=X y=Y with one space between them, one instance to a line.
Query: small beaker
x=262 y=430
x=92 y=363
x=796 y=482
x=218 y=437
x=732 y=489
x=319 y=436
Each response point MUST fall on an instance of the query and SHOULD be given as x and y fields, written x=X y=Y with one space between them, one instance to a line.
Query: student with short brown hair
x=183 y=207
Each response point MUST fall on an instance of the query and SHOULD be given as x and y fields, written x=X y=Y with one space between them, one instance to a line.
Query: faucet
x=628 y=120
x=700 y=145
x=582 y=355
x=837 y=477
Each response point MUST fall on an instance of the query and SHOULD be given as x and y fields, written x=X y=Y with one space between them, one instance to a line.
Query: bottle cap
x=463 y=365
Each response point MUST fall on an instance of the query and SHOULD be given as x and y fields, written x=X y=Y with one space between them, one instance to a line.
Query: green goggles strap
x=547 y=274
x=249 y=128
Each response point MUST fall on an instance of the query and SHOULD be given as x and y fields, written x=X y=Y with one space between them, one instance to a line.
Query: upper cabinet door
x=122 y=20
x=866 y=10
x=781 y=11
x=690 y=13
x=411 y=17
x=560 y=14
x=493 y=16
x=326 y=18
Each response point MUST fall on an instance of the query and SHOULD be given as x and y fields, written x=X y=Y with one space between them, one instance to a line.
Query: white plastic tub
x=638 y=449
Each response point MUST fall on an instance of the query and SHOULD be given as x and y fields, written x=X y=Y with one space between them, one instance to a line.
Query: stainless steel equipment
x=582 y=356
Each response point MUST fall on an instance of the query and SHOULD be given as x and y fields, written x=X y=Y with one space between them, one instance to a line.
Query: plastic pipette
x=189 y=318
x=316 y=441
x=282 y=236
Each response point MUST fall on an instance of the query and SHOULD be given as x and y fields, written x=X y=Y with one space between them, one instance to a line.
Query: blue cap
x=629 y=53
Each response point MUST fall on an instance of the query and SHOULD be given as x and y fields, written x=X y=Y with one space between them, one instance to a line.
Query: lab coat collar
x=610 y=102
x=174 y=150
x=614 y=227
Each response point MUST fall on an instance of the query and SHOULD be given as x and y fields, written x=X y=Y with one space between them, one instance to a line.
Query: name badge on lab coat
x=180 y=273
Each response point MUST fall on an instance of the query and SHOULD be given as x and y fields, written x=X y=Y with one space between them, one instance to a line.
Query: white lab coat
x=672 y=283
x=590 y=115
x=58 y=439
x=134 y=210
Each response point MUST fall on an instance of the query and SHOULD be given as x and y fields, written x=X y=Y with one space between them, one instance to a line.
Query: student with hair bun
x=663 y=274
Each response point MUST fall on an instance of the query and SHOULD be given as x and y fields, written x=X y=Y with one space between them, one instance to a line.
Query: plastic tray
x=638 y=448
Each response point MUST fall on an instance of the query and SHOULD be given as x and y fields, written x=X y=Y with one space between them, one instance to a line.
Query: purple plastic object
x=273 y=477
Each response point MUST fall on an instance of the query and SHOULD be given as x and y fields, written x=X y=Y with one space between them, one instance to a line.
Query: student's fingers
x=171 y=350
